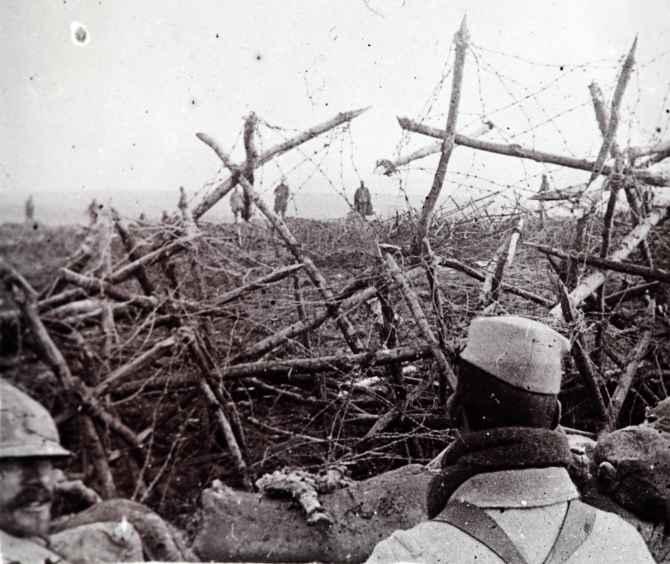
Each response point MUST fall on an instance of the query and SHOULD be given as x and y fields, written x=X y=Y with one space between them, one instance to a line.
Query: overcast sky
x=120 y=110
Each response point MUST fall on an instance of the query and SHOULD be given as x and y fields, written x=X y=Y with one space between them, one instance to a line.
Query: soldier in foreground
x=29 y=446
x=504 y=493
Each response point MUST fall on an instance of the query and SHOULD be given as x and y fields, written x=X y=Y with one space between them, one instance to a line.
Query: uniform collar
x=529 y=487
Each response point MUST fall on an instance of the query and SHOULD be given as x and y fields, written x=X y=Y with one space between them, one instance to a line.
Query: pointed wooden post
x=250 y=164
x=542 y=212
x=610 y=135
x=461 y=42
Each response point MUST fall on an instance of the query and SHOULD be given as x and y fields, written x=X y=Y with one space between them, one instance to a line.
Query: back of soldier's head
x=510 y=374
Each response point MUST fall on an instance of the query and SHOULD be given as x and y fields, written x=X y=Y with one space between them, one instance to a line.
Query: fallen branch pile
x=170 y=352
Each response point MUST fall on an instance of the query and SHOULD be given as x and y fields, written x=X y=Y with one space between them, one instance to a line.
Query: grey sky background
x=117 y=117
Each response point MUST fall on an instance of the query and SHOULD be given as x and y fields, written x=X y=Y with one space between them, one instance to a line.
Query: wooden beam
x=593 y=281
x=647 y=176
x=461 y=41
x=612 y=125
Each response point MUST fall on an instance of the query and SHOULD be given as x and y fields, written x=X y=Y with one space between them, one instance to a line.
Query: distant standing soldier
x=30 y=211
x=92 y=212
x=236 y=204
x=363 y=201
x=281 y=198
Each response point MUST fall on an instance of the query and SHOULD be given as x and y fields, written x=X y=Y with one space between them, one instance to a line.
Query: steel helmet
x=26 y=427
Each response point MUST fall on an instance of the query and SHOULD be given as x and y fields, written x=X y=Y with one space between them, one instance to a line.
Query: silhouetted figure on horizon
x=363 y=201
x=281 y=198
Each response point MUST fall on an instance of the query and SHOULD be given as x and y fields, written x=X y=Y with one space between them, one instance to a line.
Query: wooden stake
x=135 y=365
x=209 y=387
x=461 y=42
x=227 y=185
x=628 y=244
x=100 y=459
x=76 y=262
x=291 y=243
x=129 y=270
x=280 y=337
x=391 y=167
x=663 y=148
x=477 y=275
x=628 y=377
x=613 y=123
x=580 y=352
x=606 y=264
x=646 y=176
x=438 y=309
x=301 y=310
x=420 y=317
x=544 y=188
x=96 y=286
x=131 y=248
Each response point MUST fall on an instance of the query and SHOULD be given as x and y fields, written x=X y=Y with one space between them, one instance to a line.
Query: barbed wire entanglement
x=194 y=350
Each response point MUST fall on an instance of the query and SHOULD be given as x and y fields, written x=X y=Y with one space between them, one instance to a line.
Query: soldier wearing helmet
x=29 y=446
x=503 y=493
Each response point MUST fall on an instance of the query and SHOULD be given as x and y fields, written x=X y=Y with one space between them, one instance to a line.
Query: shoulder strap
x=475 y=522
x=575 y=529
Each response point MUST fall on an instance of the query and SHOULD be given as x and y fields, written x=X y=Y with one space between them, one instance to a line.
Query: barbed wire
x=605 y=62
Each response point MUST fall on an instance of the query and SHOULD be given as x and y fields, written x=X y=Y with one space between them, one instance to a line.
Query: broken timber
x=647 y=176
x=593 y=281
x=606 y=264
x=390 y=167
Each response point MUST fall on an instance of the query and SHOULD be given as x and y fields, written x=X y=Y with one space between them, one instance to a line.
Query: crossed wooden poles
x=624 y=174
x=76 y=299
